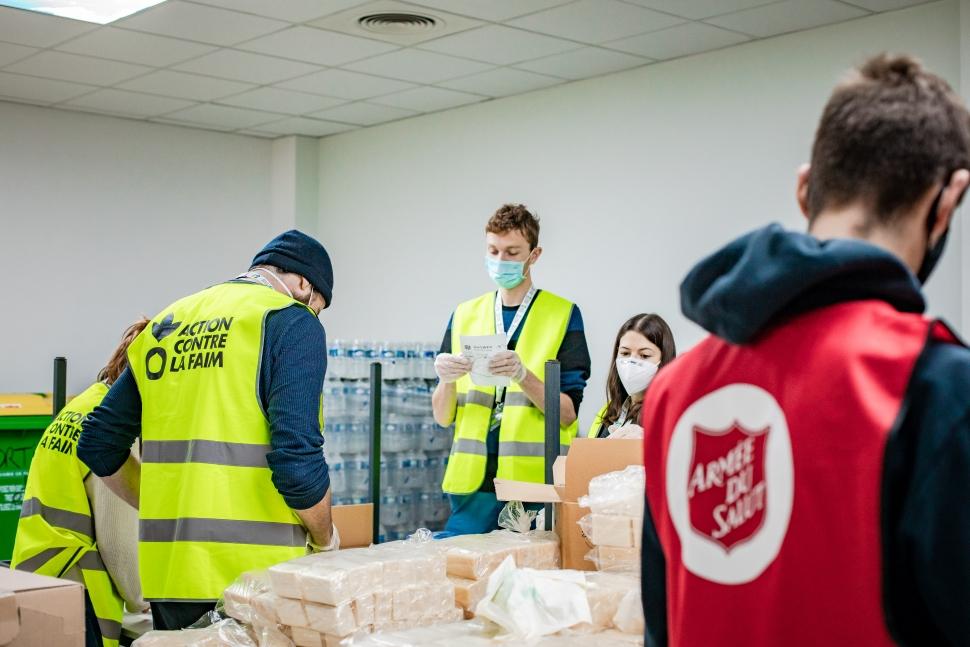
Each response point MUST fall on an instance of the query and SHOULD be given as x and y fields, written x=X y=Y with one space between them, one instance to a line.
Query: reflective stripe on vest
x=522 y=432
x=209 y=509
x=55 y=533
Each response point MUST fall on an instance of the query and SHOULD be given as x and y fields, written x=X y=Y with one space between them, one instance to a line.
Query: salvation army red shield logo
x=726 y=487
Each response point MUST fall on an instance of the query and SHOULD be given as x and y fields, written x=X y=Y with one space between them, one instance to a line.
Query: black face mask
x=934 y=253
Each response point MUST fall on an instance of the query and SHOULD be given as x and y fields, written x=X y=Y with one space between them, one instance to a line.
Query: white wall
x=635 y=176
x=104 y=219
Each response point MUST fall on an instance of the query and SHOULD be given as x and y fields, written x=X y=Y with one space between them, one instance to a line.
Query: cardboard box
x=355 y=524
x=587 y=457
x=37 y=611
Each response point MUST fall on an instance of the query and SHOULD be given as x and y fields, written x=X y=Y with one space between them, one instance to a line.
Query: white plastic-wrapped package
x=291 y=612
x=226 y=633
x=333 y=620
x=464 y=634
x=615 y=560
x=610 y=529
x=475 y=557
x=239 y=597
x=303 y=637
x=414 y=603
x=528 y=603
x=364 y=610
x=341 y=578
x=605 y=592
x=617 y=493
x=629 y=616
x=264 y=608
x=468 y=593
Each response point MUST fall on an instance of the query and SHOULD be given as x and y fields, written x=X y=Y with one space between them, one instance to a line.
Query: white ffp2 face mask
x=635 y=374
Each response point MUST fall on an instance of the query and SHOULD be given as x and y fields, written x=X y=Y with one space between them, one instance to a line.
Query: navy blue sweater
x=291 y=374
x=761 y=280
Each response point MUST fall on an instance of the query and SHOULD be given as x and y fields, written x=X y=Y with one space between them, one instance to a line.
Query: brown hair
x=515 y=217
x=888 y=134
x=655 y=329
x=119 y=358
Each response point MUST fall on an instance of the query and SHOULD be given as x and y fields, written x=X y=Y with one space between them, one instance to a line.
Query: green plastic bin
x=22 y=423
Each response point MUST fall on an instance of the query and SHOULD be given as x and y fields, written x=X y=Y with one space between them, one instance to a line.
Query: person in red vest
x=808 y=464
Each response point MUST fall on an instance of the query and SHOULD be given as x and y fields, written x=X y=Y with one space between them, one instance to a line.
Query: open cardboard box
x=37 y=611
x=587 y=457
x=354 y=523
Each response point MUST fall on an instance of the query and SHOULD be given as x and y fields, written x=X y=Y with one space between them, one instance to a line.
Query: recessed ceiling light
x=98 y=11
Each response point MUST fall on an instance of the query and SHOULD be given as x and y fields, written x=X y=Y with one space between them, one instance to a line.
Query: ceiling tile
x=364 y=114
x=223 y=116
x=201 y=23
x=318 y=46
x=788 y=16
x=191 y=124
x=82 y=69
x=583 y=63
x=502 y=82
x=304 y=126
x=29 y=88
x=500 y=45
x=419 y=66
x=596 y=21
x=347 y=22
x=185 y=86
x=244 y=66
x=885 y=5
x=135 y=47
x=289 y=10
x=285 y=101
x=682 y=40
x=131 y=104
x=494 y=10
x=258 y=133
x=697 y=9
x=36 y=29
x=346 y=85
x=10 y=53
x=428 y=99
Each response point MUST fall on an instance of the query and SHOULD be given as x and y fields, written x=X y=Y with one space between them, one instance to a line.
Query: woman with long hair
x=72 y=526
x=643 y=346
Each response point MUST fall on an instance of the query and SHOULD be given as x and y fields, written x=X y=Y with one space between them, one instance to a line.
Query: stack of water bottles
x=414 y=449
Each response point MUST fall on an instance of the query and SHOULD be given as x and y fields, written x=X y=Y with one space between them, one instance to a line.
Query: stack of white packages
x=472 y=559
x=478 y=634
x=615 y=522
x=324 y=597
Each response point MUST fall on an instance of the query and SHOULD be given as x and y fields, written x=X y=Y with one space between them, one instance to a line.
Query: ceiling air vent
x=398 y=24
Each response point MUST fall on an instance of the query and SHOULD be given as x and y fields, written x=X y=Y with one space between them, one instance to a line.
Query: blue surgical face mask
x=506 y=274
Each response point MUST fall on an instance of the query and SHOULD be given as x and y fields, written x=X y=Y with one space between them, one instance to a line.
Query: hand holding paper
x=479 y=350
x=508 y=364
x=451 y=368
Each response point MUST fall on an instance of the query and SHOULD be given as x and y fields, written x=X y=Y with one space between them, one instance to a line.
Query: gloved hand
x=333 y=545
x=507 y=364
x=629 y=430
x=451 y=368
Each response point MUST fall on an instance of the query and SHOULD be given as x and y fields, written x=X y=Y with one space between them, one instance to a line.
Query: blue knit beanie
x=293 y=251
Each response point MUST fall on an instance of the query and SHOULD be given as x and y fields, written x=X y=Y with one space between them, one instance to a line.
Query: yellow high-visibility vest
x=522 y=432
x=597 y=422
x=209 y=509
x=55 y=532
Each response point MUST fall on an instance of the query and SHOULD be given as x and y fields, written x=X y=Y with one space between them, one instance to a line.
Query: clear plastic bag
x=224 y=633
x=617 y=493
x=516 y=518
x=528 y=604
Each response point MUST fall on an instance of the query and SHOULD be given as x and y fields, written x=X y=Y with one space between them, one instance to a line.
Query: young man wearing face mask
x=808 y=464
x=224 y=387
x=500 y=432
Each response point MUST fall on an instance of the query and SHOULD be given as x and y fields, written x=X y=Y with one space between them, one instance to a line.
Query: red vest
x=764 y=466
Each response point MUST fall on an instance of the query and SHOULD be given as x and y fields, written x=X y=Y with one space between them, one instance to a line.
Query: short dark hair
x=515 y=217
x=888 y=133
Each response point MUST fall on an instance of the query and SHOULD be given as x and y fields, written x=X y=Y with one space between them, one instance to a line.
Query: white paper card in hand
x=480 y=349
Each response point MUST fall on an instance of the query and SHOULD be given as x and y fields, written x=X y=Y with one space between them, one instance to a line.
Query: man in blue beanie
x=224 y=387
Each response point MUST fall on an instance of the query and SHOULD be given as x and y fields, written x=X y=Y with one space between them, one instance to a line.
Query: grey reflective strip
x=40 y=559
x=222 y=531
x=91 y=561
x=110 y=629
x=513 y=448
x=469 y=446
x=476 y=397
x=518 y=399
x=205 y=451
x=60 y=518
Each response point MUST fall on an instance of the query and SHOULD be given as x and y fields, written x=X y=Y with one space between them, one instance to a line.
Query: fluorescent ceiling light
x=99 y=11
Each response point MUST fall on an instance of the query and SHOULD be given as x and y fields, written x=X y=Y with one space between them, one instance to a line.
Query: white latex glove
x=507 y=364
x=629 y=430
x=451 y=368
x=333 y=545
